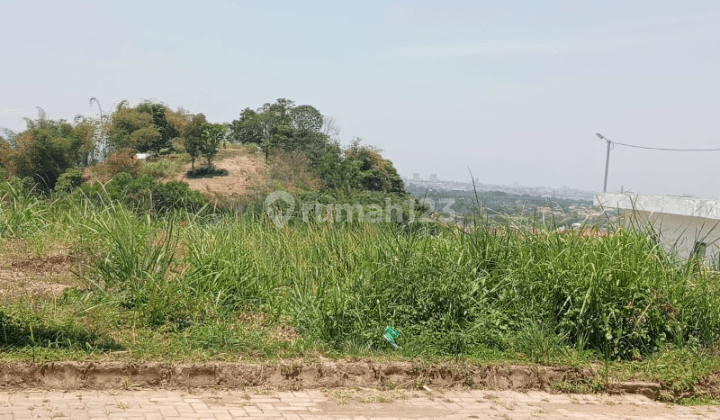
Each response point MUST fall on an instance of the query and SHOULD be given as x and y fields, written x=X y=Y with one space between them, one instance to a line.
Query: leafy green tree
x=193 y=137
x=69 y=180
x=4 y=151
x=160 y=122
x=126 y=121
x=47 y=148
x=249 y=128
x=4 y=157
x=148 y=127
x=212 y=135
x=366 y=169
x=306 y=119
x=203 y=138
x=294 y=129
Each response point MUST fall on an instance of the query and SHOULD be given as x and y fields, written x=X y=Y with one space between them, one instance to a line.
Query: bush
x=122 y=161
x=145 y=195
x=206 y=172
x=69 y=180
x=47 y=148
x=161 y=169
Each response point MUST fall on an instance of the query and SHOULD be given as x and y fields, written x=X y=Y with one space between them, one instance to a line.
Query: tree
x=160 y=123
x=294 y=129
x=212 y=135
x=148 y=127
x=306 y=119
x=4 y=151
x=202 y=139
x=366 y=169
x=193 y=137
x=4 y=156
x=123 y=123
x=48 y=148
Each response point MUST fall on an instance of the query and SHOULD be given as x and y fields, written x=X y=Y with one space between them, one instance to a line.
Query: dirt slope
x=244 y=171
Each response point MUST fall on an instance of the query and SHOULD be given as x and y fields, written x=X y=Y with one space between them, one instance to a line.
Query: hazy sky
x=513 y=90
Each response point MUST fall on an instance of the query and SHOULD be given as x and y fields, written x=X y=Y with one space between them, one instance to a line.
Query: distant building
x=688 y=226
x=416 y=177
x=433 y=178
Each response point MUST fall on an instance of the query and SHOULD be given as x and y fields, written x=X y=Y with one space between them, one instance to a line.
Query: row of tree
x=47 y=148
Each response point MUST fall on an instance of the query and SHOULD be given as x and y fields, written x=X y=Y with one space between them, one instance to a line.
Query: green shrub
x=145 y=195
x=206 y=172
x=69 y=180
x=161 y=169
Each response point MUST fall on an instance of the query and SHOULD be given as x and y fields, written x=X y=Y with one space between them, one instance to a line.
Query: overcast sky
x=515 y=90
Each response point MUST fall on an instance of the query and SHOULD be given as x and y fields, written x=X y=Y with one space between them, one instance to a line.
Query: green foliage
x=249 y=128
x=451 y=293
x=212 y=135
x=360 y=168
x=205 y=172
x=25 y=331
x=4 y=152
x=146 y=139
x=4 y=157
x=355 y=207
x=123 y=123
x=177 y=290
x=283 y=125
x=47 y=148
x=297 y=130
x=118 y=162
x=166 y=131
x=448 y=293
x=203 y=139
x=162 y=168
x=68 y=181
x=193 y=137
x=144 y=195
x=369 y=171
x=148 y=127
x=21 y=211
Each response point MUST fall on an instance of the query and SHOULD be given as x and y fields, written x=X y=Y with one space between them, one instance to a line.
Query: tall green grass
x=448 y=292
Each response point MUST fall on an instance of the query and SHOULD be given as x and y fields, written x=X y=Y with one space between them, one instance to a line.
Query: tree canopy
x=147 y=127
x=47 y=148
x=4 y=151
x=282 y=125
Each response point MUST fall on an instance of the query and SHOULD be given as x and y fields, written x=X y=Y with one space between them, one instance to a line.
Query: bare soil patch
x=50 y=264
x=37 y=275
x=243 y=172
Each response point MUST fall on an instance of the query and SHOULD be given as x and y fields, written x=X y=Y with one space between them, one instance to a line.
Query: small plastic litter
x=391 y=335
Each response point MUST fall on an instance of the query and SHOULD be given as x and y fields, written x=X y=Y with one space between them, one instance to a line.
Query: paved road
x=334 y=404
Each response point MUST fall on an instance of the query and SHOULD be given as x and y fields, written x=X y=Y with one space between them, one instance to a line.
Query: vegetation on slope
x=164 y=274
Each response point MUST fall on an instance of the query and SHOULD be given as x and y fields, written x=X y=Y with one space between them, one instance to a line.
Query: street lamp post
x=607 y=158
